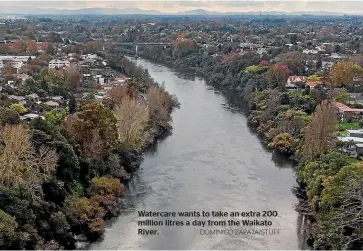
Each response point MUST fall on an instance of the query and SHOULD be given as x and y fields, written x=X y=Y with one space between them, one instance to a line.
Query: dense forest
x=62 y=174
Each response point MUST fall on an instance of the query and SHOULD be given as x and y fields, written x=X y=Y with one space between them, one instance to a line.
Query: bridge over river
x=136 y=44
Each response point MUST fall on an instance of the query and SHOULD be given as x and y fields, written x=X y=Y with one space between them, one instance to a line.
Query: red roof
x=346 y=108
x=313 y=83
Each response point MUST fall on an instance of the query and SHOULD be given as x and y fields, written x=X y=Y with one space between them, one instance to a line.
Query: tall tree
x=132 y=119
x=20 y=162
x=72 y=105
x=318 y=135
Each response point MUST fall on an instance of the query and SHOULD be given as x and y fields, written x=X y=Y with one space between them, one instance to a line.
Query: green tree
x=341 y=214
x=283 y=143
x=9 y=116
x=56 y=117
x=72 y=105
x=8 y=226
x=19 y=108
x=94 y=128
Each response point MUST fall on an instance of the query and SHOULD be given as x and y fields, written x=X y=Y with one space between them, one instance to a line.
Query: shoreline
x=299 y=191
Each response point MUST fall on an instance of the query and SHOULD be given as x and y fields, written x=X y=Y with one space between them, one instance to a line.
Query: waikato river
x=212 y=161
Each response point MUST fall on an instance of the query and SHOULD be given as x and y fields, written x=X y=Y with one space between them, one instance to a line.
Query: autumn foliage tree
x=283 y=143
x=94 y=128
x=132 y=119
x=318 y=134
x=278 y=74
x=31 y=46
x=342 y=74
x=183 y=46
x=159 y=102
x=20 y=162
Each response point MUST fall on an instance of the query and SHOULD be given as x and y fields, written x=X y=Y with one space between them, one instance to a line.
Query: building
x=19 y=99
x=52 y=104
x=352 y=143
x=295 y=82
x=313 y=84
x=348 y=114
x=58 y=63
x=355 y=98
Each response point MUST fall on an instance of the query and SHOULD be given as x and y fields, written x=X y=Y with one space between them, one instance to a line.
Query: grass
x=348 y=125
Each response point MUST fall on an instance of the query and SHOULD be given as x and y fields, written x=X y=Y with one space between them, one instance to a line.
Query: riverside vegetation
x=61 y=176
x=300 y=124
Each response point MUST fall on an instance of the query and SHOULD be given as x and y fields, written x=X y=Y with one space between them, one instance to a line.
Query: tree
x=254 y=69
x=50 y=49
x=283 y=143
x=32 y=46
x=341 y=96
x=9 y=116
x=106 y=186
x=94 y=122
x=72 y=78
x=117 y=94
x=20 y=162
x=85 y=212
x=318 y=135
x=132 y=119
x=72 y=105
x=342 y=74
x=313 y=78
x=182 y=47
x=19 y=108
x=8 y=226
x=342 y=209
x=277 y=75
x=56 y=117
x=159 y=102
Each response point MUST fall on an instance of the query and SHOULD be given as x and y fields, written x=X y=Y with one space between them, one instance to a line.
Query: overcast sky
x=170 y=6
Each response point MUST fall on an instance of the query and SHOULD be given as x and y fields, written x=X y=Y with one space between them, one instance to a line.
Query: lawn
x=348 y=125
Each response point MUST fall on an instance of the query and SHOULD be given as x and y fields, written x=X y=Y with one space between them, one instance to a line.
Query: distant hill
x=137 y=11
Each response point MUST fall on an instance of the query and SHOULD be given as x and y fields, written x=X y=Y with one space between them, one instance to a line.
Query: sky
x=170 y=6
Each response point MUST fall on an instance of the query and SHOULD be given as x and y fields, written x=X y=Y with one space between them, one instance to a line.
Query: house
x=326 y=65
x=261 y=51
x=335 y=56
x=19 y=99
x=352 y=143
x=58 y=63
x=52 y=104
x=34 y=97
x=57 y=98
x=346 y=113
x=29 y=116
x=355 y=98
x=89 y=56
x=295 y=82
x=312 y=84
x=307 y=51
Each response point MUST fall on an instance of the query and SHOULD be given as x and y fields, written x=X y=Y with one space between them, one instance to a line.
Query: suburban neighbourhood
x=80 y=110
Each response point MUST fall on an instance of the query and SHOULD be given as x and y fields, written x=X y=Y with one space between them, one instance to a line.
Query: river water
x=212 y=161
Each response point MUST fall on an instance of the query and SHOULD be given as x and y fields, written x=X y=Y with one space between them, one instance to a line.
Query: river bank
x=211 y=149
x=237 y=97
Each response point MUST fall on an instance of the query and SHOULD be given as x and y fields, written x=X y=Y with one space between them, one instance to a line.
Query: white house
x=89 y=56
x=58 y=63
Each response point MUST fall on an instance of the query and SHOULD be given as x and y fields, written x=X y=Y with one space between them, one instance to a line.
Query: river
x=212 y=161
